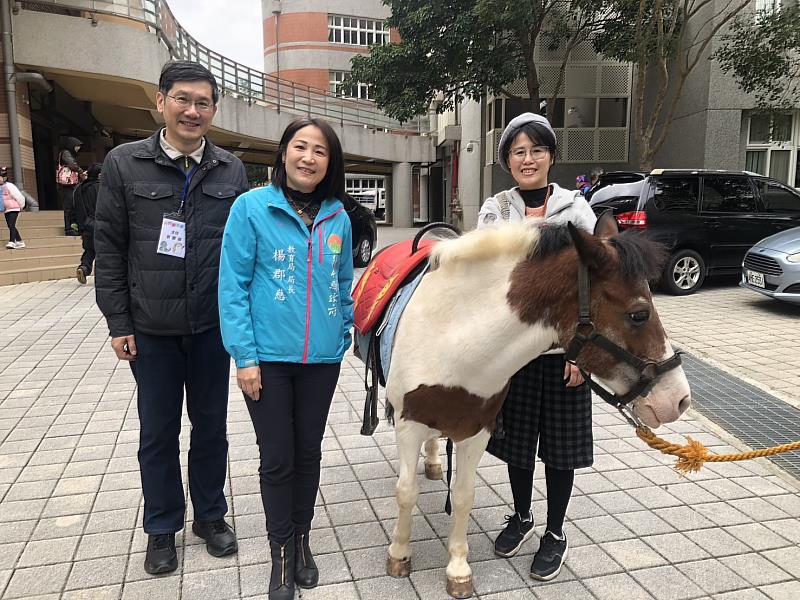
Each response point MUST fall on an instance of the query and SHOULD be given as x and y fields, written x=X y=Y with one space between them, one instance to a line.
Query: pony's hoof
x=396 y=567
x=433 y=472
x=460 y=589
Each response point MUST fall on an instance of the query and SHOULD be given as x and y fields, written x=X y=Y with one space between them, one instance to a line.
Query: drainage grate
x=757 y=418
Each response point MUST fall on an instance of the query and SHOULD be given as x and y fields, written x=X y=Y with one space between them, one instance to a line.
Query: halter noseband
x=585 y=333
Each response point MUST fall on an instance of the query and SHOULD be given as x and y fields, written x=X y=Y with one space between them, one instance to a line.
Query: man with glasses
x=161 y=211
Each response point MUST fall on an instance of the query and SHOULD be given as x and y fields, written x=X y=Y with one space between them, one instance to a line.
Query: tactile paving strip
x=757 y=418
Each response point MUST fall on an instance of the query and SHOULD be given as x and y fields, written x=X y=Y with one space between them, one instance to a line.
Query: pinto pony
x=492 y=301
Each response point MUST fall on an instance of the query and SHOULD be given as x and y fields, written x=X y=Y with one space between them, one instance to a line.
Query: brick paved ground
x=70 y=501
x=748 y=334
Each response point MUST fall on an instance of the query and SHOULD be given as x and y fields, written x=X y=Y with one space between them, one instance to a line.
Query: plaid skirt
x=541 y=410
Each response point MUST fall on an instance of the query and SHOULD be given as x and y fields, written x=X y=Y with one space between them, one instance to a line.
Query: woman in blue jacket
x=286 y=273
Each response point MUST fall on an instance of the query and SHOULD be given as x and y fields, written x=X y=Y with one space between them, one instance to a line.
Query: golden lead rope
x=693 y=454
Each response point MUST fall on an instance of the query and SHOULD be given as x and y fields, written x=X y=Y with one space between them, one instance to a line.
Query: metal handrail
x=235 y=79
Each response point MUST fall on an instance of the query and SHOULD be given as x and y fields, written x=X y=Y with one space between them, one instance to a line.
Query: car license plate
x=754 y=278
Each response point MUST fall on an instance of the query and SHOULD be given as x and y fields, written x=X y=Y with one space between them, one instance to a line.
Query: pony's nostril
x=684 y=404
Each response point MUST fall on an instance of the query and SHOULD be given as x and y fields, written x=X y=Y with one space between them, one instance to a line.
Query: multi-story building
x=312 y=43
x=715 y=126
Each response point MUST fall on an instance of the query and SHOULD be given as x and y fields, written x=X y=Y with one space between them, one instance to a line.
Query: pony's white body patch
x=475 y=321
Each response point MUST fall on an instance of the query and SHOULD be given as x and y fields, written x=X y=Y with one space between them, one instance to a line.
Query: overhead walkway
x=110 y=53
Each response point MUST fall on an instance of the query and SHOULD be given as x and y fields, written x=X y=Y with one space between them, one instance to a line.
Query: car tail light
x=635 y=219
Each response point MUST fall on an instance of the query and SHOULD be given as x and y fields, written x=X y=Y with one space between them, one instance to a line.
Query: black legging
x=11 y=221
x=559 y=490
x=66 y=199
x=289 y=420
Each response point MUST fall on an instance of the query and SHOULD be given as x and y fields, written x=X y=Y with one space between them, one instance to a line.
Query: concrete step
x=48 y=254
x=29 y=232
x=37 y=274
x=19 y=260
x=46 y=247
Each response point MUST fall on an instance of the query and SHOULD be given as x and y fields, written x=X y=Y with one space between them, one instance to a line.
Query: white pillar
x=471 y=158
x=423 y=195
x=402 y=213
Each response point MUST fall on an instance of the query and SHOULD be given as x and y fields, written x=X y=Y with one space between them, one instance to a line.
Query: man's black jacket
x=85 y=200
x=139 y=290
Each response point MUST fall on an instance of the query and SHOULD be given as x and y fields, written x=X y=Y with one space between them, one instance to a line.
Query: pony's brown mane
x=639 y=256
x=517 y=240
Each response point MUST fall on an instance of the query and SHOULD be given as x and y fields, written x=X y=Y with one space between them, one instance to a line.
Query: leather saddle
x=390 y=270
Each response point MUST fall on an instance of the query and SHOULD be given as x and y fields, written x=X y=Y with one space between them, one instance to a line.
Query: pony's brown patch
x=619 y=271
x=454 y=411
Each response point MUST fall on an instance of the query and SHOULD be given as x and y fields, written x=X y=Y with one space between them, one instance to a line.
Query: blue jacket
x=284 y=292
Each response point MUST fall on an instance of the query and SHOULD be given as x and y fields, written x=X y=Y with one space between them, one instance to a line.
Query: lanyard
x=185 y=191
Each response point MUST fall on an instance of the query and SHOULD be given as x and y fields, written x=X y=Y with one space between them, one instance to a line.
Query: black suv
x=365 y=230
x=707 y=219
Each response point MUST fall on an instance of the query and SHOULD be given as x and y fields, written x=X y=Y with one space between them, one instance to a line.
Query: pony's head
x=620 y=312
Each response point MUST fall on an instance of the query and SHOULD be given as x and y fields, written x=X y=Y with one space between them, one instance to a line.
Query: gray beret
x=512 y=129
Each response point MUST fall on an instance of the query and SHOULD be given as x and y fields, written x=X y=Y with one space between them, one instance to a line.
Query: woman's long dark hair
x=333 y=183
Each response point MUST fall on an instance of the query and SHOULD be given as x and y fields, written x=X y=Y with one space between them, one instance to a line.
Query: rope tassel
x=693 y=454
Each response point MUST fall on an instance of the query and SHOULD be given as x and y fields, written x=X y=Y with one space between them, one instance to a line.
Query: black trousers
x=67 y=202
x=87 y=258
x=165 y=367
x=11 y=221
x=289 y=420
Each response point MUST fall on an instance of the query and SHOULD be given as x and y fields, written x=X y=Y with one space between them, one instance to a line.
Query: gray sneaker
x=516 y=533
x=550 y=557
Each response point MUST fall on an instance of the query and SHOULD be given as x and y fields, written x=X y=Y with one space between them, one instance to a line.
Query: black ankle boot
x=281 y=581
x=306 y=574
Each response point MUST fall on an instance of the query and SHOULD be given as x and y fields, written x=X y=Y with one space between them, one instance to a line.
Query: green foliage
x=621 y=39
x=762 y=52
x=459 y=48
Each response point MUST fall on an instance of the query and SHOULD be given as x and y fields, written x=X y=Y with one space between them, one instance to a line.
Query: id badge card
x=172 y=240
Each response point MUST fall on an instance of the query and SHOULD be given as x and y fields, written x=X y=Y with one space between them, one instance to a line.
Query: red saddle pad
x=381 y=279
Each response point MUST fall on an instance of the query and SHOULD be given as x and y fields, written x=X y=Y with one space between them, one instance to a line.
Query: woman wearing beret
x=548 y=404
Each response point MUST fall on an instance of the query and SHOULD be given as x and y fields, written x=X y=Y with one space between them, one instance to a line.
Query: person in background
x=161 y=210
x=286 y=274
x=12 y=203
x=597 y=172
x=85 y=198
x=582 y=184
x=594 y=179
x=548 y=404
x=66 y=185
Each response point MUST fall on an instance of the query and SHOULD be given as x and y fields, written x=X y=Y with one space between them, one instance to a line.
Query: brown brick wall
x=28 y=165
x=296 y=27
x=316 y=78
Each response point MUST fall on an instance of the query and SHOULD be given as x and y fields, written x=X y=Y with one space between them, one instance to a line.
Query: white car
x=772 y=266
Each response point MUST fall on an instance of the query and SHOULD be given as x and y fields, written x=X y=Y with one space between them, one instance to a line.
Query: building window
x=358 y=185
x=772 y=146
x=354 y=90
x=356 y=32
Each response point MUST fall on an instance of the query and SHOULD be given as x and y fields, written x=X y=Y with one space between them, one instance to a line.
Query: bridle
x=585 y=333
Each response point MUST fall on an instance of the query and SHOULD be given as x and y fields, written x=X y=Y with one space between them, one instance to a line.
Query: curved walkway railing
x=235 y=79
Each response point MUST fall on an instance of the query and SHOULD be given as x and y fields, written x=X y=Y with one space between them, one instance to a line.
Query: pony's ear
x=606 y=225
x=591 y=249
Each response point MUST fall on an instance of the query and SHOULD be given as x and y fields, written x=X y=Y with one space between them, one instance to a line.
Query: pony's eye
x=639 y=317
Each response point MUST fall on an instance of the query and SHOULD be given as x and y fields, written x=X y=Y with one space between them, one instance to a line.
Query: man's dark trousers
x=87 y=258
x=164 y=365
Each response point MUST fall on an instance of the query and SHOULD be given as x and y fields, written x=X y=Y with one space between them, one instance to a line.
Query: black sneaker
x=549 y=557
x=161 y=556
x=516 y=533
x=80 y=275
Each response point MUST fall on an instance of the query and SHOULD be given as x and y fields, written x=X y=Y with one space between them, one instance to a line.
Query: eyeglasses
x=184 y=102
x=537 y=152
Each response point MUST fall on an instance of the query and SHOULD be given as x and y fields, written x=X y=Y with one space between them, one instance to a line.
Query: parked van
x=707 y=219
x=375 y=200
